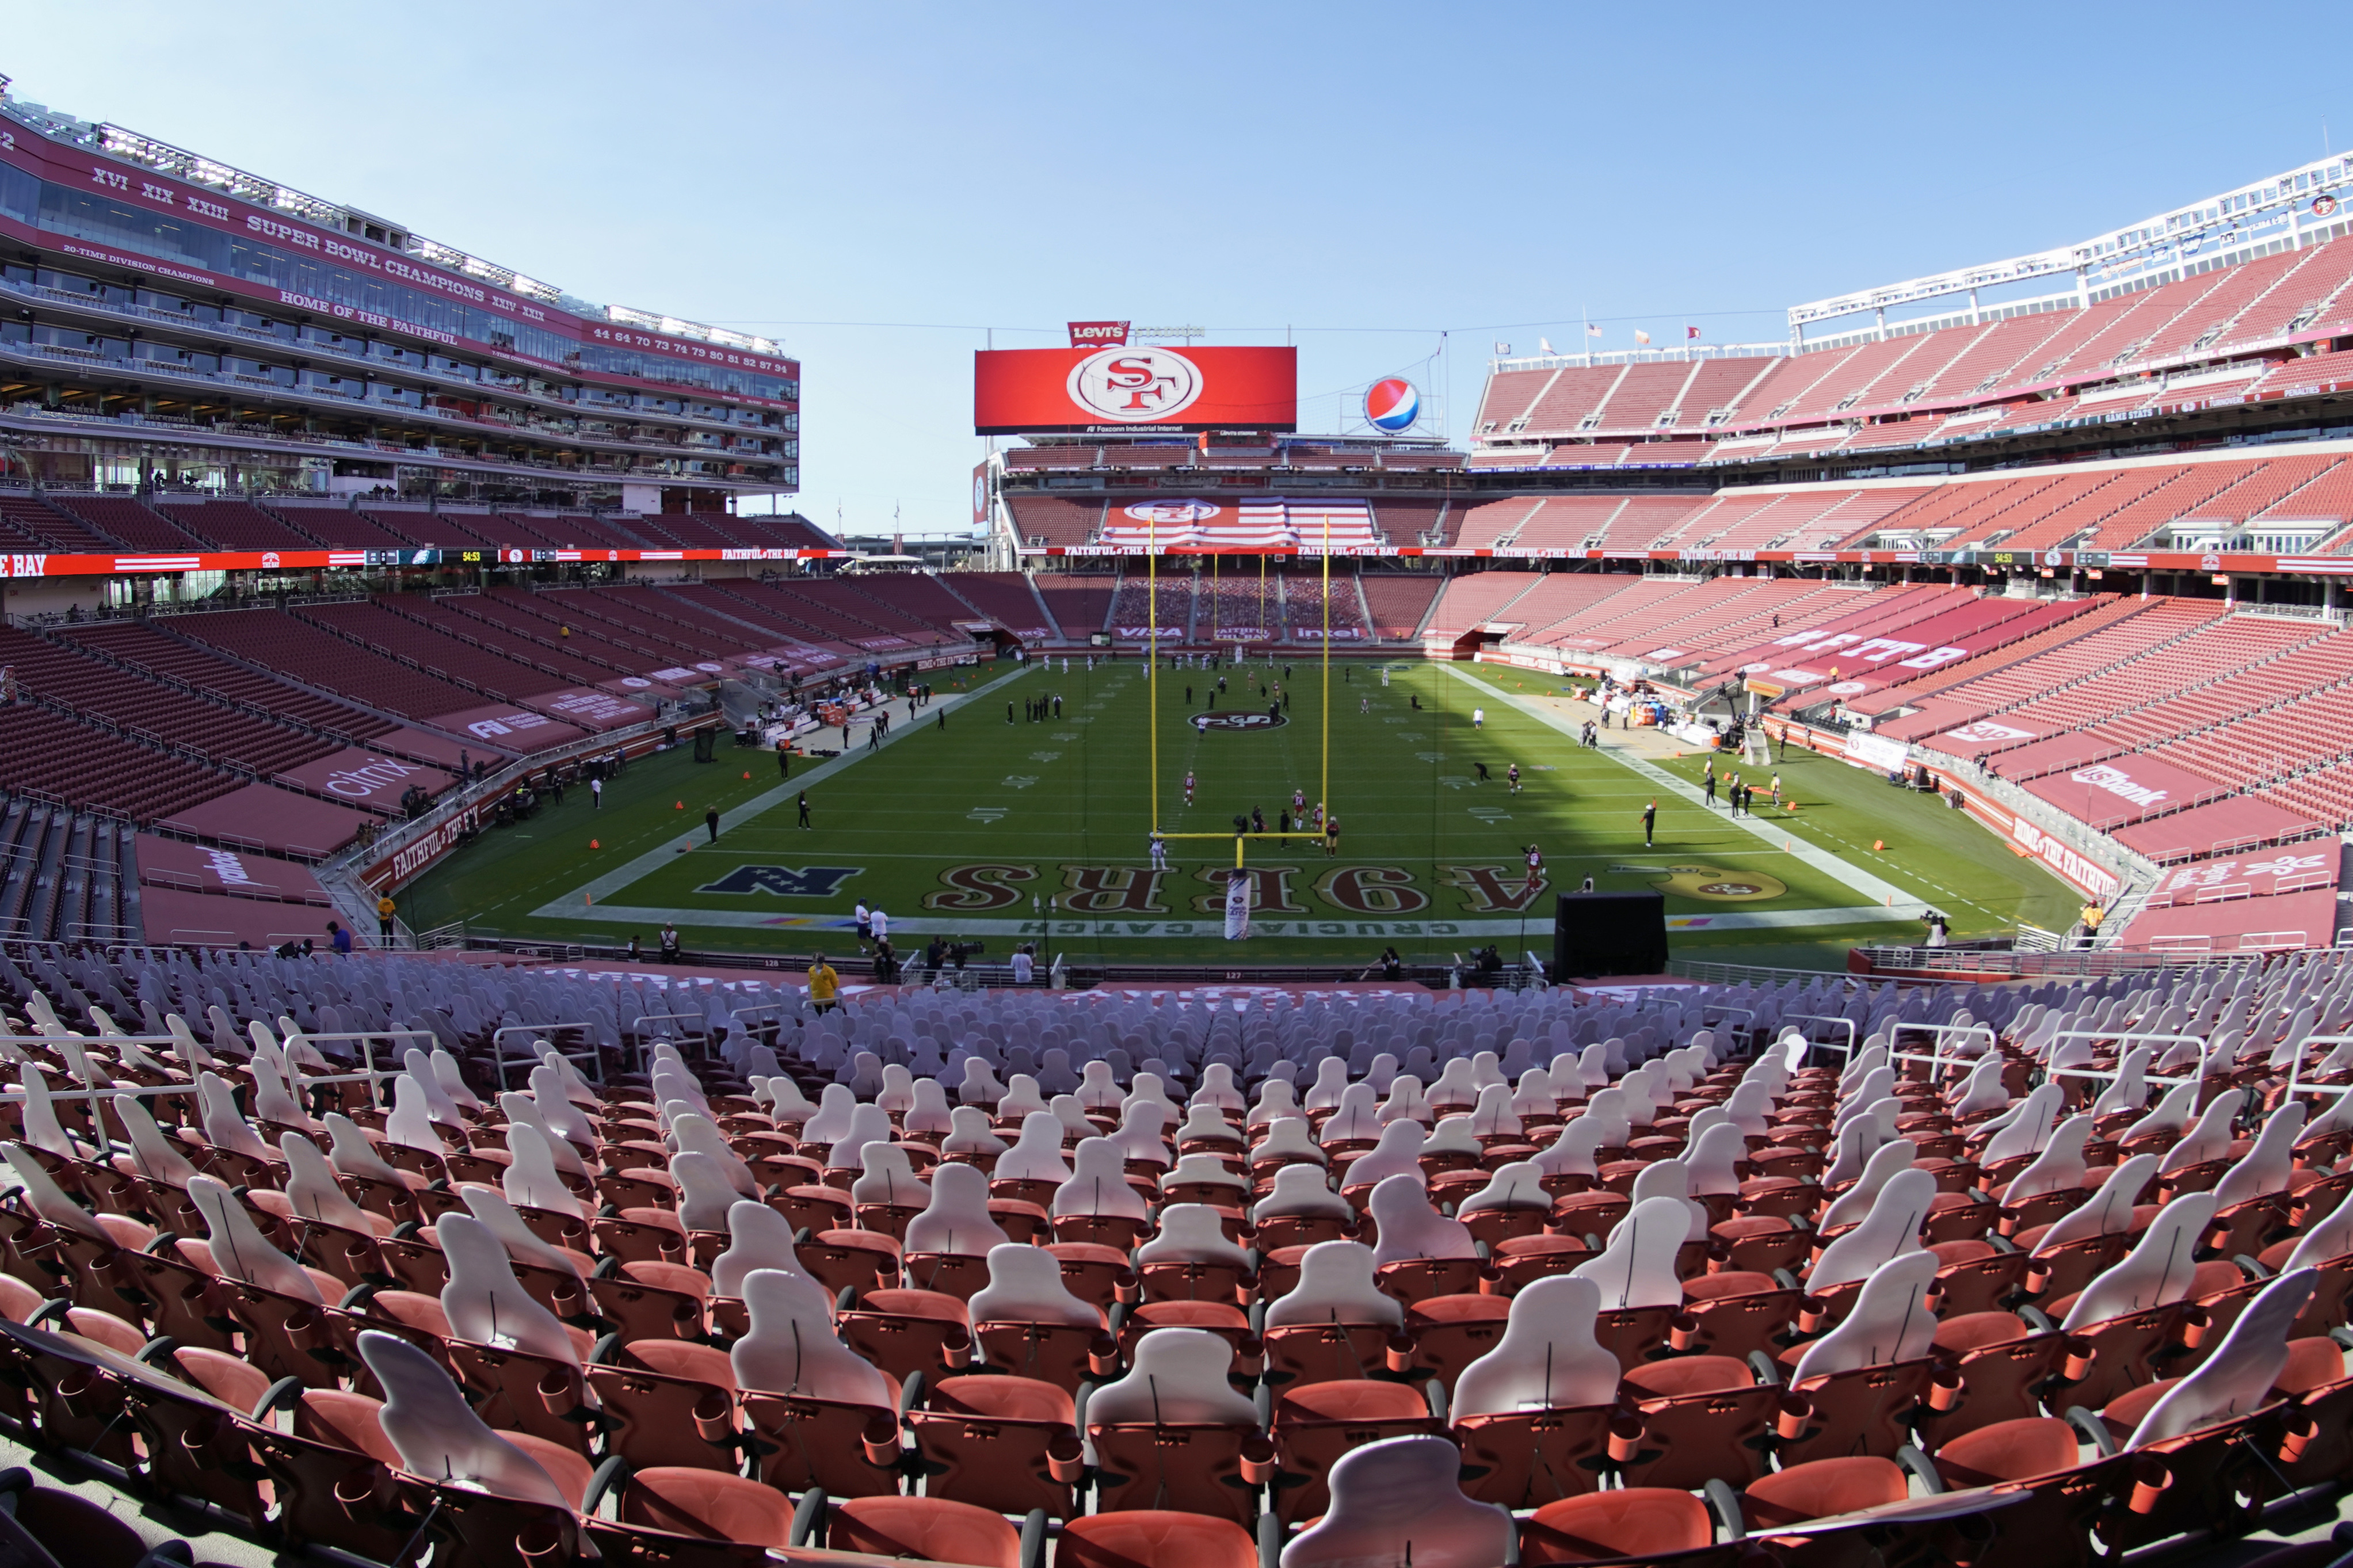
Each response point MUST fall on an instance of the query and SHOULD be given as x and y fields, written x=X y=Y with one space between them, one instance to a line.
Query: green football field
x=1002 y=833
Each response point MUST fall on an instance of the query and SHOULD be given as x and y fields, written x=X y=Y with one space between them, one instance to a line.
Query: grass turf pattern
x=997 y=833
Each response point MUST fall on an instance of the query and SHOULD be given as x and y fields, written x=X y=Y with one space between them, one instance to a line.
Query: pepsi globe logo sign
x=1392 y=405
x=1135 y=386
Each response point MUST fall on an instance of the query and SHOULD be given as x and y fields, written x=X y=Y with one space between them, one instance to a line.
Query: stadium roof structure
x=131 y=147
x=2237 y=226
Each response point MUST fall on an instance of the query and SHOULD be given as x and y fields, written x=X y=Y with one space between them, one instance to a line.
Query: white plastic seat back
x=411 y=1124
x=791 y=1348
x=1637 y=1268
x=1179 y=1378
x=486 y=1304
x=869 y=1124
x=1533 y=1095
x=2209 y=1137
x=349 y=1150
x=1408 y=1229
x=1037 y=1153
x=1548 y=1358
x=1331 y=1082
x=1336 y=1286
x=1219 y=1089
x=2237 y=1378
x=47 y=1198
x=1287 y=1138
x=1858 y=1093
x=239 y=1250
x=1870 y=1058
x=489 y=1205
x=151 y=1152
x=979 y=1085
x=1021 y=1097
x=897 y=1095
x=1098 y=1185
x=311 y=1191
x=1571 y=1153
x=1713 y=1153
x=970 y=1133
x=1454 y=1135
x=1890 y=1230
x=1301 y=1192
x=957 y=1221
x=1406 y=1101
x=2157 y=1271
x=1851 y=1206
x=2059 y=1168
x=2265 y=1168
x=1399 y=1501
x=2029 y=1128
x=1191 y=1233
x=1139 y=1135
x=225 y=1126
x=1205 y=1123
x=1398 y=1154
x=437 y=1432
x=1889 y=1322
x=2129 y=1090
x=523 y=1111
x=1096 y=1091
x=192 y=1053
x=453 y=1082
x=1518 y=1184
x=2171 y=1114
x=1493 y=1117
x=1668 y=1179
x=2109 y=1213
x=1851 y=1156
x=705 y=1196
x=1456 y=1088
x=1276 y=1100
x=556 y=1112
x=2330 y=1237
x=1357 y=1116
x=835 y=1106
x=420 y=1068
x=1746 y=1107
x=1981 y=1091
x=888 y=1176
x=273 y=1103
x=758 y=1238
x=1206 y=1169
x=1025 y=1286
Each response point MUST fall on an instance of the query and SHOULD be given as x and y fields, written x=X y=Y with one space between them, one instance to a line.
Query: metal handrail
x=593 y=1057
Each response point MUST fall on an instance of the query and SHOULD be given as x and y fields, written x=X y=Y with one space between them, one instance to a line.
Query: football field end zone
x=1889 y=902
x=1197 y=930
x=580 y=901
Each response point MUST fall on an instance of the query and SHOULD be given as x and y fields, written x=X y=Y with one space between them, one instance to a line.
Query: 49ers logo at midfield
x=1238 y=721
x=1135 y=386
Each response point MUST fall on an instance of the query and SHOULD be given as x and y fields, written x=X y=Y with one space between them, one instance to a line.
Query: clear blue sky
x=876 y=184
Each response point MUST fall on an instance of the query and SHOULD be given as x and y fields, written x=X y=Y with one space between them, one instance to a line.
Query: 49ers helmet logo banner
x=1133 y=389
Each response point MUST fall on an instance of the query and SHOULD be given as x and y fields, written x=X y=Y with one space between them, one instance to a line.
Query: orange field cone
x=680 y=805
x=588 y=898
x=593 y=845
x=747 y=773
x=1879 y=846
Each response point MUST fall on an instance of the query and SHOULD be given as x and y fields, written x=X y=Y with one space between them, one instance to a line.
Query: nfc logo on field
x=783 y=881
x=1135 y=386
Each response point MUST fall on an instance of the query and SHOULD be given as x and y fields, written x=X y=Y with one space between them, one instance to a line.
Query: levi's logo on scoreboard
x=24 y=566
x=1097 y=334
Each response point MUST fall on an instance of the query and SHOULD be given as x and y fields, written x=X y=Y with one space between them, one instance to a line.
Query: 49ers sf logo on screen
x=1138 y=387
x=1239 y=720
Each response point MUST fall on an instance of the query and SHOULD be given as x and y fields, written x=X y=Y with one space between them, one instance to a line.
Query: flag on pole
x=1544 y=345
x=1641 y=336
x=1690 y=331
x=1238 y=900
x=1592 y=330
x=1502 y=348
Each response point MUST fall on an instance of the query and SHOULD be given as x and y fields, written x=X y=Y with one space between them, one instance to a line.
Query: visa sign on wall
x=1133 y=389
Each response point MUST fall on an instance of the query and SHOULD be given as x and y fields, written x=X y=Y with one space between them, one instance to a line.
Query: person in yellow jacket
x=824 y=984
x=384 y=910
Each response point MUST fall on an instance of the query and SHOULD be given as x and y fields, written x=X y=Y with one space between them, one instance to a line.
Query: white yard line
x=1892 y=902
x=577 y=903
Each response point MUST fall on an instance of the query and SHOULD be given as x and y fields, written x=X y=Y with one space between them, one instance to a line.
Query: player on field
x=1512 y=774
x=1188 y=787
x=1159 y=851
